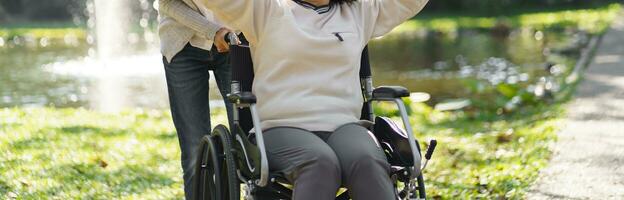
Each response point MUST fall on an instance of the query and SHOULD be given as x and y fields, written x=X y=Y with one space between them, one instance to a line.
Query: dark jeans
x=187 y=83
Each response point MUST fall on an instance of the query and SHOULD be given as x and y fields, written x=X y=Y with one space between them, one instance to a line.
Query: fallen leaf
x=101 y=162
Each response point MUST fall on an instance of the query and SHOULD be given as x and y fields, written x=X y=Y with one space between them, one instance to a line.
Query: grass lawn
x=489 y=159
x=78 y=154
x=593 y=20
x=43 y=30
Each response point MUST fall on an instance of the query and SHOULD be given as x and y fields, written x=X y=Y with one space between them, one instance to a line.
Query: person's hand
x=219 y=40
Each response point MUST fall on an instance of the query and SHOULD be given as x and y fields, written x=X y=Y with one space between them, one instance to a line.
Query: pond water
x=63 y=74
x=441 y=64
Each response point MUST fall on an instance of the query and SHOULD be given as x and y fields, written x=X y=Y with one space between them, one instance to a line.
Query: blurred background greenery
x=68 y=10
x=84 y=112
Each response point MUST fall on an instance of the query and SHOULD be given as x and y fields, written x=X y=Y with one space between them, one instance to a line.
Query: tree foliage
x=496 y=7
x=65 y=10
x=37 y=10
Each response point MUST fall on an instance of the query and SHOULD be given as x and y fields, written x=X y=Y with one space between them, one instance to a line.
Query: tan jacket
x=179 y=21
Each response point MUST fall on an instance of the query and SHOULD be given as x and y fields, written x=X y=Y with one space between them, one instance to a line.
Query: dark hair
x=341 y=1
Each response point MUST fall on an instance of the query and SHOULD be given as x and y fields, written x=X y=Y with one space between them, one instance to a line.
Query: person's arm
x=188 y=17
x=248 y=16
x=381 y=16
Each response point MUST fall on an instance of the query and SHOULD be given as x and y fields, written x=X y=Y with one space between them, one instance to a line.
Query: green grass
x=490 y=159
x=78 y=154
x=594 y=20
x=55 y=30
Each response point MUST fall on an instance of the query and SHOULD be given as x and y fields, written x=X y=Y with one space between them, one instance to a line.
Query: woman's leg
x=365 y=171
x=187 y=83
x=222 y=69
x=305 y=160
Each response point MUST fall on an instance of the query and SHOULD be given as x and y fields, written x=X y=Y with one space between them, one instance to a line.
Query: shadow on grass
x=450 y=187
x=166 y=136
x=30 y=143
x=4 y=187
x=106 y=132
x=129 y=179
x=11 y=125
x=528 y=116
x=43 y=138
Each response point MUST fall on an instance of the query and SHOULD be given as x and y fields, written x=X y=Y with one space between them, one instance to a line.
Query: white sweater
x=306 y=64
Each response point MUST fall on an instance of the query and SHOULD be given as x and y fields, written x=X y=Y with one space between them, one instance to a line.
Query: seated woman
x=306 y=56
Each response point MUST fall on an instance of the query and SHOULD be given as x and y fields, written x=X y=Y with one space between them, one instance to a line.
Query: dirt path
x=588 y=162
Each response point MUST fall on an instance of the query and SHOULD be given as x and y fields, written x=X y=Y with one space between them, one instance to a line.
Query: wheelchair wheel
x=208 y=181
x=422 y=194
x=229 y=178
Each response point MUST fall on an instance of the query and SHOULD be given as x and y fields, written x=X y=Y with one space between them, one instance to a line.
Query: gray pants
x=318 y=163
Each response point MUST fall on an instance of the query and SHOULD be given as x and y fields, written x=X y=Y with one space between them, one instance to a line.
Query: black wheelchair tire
x=208 y=174
x=422 y=193
x=228 y=173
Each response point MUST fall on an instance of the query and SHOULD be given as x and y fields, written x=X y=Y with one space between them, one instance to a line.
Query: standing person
x=192 y=43
x=306 y=56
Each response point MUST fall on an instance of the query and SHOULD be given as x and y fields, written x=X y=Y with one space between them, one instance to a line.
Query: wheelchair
x=231 y=157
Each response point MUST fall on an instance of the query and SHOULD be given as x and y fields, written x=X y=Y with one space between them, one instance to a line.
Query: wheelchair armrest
x=395 y=93
x=242 y=98
x=390 y=92
x=248 y=99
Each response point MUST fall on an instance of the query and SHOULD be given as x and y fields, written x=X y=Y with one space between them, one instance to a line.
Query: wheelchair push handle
x=227 y=37
x=231 y=38
x=432 y=146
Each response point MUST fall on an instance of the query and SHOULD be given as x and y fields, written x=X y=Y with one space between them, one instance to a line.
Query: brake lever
x=430 y=150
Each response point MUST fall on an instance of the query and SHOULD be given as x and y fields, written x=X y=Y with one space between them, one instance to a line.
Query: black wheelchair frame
x=228 y=158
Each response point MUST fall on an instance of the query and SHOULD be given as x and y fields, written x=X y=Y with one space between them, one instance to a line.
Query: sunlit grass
x=495 y=159
x=591 y=20
x=484 y=158
x=51 y=33
x=81 y=154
